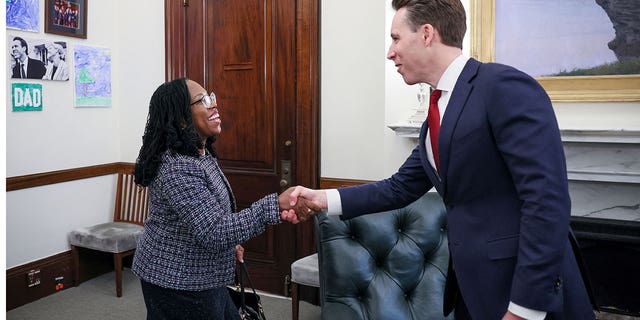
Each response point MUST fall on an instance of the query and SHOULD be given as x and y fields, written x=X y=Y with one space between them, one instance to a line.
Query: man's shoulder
x=36 y=61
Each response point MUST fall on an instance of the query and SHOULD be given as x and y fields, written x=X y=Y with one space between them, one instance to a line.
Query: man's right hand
x=307 y=202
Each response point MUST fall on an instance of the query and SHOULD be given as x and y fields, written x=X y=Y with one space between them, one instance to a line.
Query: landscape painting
x=547 y=38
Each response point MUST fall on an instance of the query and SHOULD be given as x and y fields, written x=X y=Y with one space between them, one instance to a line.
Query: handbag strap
x=243 y=269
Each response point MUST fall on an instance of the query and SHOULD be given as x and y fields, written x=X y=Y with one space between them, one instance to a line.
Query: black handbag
x=248 y=303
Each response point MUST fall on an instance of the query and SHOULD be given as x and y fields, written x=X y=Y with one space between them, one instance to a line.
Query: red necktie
x=433 y=121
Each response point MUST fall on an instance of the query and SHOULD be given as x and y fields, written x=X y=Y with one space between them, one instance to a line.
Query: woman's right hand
x=240 y=253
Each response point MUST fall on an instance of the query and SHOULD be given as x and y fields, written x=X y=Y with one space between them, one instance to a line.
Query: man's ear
x=428 y=33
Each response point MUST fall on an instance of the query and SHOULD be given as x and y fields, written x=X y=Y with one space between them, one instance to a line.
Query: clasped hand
x=298 y=204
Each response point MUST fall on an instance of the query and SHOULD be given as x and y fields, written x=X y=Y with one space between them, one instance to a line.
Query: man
x=57 y=68
x=498 y=164
x=23 y=66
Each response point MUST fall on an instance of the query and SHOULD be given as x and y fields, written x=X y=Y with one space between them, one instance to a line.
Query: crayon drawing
x=23 y=15
x=92 y=76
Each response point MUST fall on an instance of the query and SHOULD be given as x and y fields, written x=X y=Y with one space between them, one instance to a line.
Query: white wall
x=352 y=86
x=356 y=144
x=62 y=136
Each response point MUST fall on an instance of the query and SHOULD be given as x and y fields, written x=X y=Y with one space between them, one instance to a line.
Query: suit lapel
x=431 y=172
x=457 y=102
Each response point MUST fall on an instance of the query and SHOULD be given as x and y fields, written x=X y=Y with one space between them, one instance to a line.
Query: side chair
x=120 y=236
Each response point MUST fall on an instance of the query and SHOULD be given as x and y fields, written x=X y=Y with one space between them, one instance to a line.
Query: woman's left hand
x=239 y=253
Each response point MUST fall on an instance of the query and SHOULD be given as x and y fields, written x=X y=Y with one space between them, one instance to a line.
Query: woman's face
x=205 y=117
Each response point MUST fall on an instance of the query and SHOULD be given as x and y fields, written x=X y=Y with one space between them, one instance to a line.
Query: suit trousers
x=460 y=311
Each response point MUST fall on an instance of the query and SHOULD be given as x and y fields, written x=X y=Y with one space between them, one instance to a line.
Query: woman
x=185 y=257
x=56 y=67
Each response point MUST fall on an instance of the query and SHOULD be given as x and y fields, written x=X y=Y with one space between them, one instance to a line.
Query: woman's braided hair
x=169 y=128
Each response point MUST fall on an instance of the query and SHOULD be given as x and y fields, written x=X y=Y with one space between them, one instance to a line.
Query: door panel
x=236 y=32
x=248 y=52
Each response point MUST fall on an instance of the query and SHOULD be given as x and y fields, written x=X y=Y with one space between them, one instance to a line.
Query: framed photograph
x=66 y=18
x=578 y=50
x=37 y=59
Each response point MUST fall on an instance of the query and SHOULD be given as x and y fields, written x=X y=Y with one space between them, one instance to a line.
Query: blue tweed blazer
x=190 y=235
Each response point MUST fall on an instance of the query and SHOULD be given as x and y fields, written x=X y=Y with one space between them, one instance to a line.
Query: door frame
x=307 y=122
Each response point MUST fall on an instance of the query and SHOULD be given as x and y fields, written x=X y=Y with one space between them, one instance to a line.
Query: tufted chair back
x=386 y=265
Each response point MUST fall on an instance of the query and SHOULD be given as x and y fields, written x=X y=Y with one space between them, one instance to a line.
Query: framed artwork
x=577 y=50
x=66 y=18
x=92 y=76
x=23 y=15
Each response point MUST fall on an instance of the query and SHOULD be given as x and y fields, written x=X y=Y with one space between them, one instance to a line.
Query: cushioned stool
x=304 y=272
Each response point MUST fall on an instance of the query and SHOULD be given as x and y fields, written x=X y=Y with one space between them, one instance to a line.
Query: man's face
x=17 y=50
x=407 y=49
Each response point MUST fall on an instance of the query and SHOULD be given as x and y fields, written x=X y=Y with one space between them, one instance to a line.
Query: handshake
x=298 y=204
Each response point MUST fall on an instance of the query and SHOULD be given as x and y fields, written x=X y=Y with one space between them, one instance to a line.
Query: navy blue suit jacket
x=504 y=183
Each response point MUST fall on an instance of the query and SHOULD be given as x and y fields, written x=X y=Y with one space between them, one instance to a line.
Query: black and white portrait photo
x=38 y=59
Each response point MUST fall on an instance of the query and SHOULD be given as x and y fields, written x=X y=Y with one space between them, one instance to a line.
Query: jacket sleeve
x=211 y=222
x=527 y=136
x=402 y=188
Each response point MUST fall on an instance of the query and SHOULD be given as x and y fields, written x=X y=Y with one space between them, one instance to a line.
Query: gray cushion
x=305 y=271
x=112 y=237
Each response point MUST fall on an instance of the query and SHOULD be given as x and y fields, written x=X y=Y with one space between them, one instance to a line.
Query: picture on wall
x=37 y=59
x=578 y=50
x=92 y=76
x=23 y=15
x=66 y=18
x=26 y=96
x=571 y=38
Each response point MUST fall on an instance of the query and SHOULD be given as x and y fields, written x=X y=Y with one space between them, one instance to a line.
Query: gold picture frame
x=614 y=88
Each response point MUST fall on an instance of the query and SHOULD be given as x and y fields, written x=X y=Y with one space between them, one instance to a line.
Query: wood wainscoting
x=333 y=183
x=48 y=270
x=92 y=263
x=56 y=272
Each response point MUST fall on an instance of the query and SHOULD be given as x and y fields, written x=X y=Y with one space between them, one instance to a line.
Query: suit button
x=558 y=284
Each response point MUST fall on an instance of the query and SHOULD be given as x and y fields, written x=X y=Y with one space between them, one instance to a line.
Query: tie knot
x=435 y=95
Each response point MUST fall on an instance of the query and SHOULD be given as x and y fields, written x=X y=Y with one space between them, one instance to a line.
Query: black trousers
x=171 y=304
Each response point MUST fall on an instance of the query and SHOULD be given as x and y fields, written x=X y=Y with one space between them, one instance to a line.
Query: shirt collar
x=451 y=75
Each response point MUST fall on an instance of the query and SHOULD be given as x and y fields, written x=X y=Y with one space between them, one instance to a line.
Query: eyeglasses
x=208 y=101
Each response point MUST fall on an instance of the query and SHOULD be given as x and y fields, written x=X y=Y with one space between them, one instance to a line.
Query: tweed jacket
x=190 y=235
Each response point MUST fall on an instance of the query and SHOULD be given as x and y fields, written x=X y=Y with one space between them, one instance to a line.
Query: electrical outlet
x=33 y=278
x=59 y=283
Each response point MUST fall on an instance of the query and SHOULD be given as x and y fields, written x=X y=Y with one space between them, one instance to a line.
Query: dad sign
x=26 y=96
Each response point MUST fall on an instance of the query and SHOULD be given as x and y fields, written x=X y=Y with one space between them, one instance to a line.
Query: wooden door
x=260 y=57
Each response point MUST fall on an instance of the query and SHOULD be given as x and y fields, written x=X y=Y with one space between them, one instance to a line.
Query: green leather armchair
x=388 y=265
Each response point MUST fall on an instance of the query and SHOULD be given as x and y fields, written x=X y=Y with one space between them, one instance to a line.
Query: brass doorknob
x=288 y=143
x=284 y=183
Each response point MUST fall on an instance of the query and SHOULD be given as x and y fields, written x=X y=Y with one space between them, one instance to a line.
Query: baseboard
x=50 y=268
